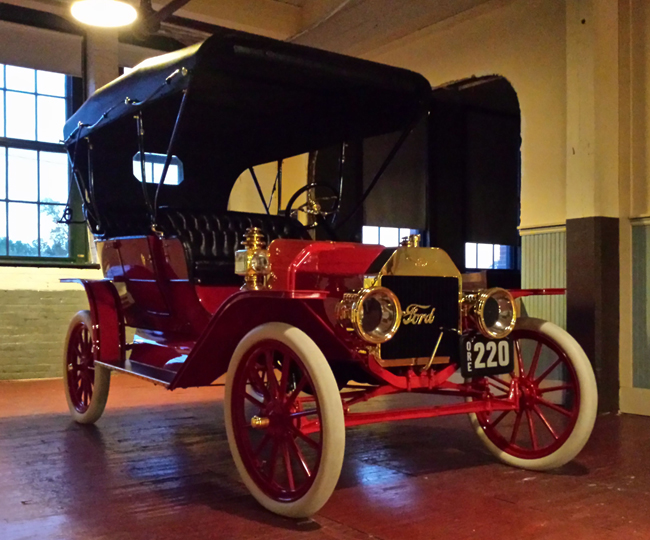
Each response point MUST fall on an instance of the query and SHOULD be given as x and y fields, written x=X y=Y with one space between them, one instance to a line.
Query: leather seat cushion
x=211 y=239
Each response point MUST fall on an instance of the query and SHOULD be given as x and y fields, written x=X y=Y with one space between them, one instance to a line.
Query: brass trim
x=419 y=262
x=260 y=422
x=474 y=306
x=412 y=240
x=348 y=313
x=255 y=244
x=413 y=362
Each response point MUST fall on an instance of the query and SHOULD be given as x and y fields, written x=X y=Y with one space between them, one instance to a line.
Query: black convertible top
x=245 y=100
x=275 y=98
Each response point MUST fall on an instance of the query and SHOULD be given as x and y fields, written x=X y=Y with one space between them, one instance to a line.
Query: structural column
x=593 y=175
x=101 y=57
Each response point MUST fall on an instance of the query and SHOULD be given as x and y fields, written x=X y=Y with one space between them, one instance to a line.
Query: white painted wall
x=525 y=42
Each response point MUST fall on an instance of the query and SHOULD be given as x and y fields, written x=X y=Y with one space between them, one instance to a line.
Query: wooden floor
x=157 y=466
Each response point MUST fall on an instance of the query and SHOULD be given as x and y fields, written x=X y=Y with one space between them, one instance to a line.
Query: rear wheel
x=288 y=446
x=86 y=385
x=557 y=403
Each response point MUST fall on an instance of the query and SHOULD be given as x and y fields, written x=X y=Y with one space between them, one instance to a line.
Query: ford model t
x=304 y=330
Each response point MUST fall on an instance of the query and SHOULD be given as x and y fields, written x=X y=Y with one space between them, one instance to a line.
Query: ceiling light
x=106 y=13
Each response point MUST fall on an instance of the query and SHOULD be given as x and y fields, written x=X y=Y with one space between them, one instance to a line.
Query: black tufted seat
x=211 y=239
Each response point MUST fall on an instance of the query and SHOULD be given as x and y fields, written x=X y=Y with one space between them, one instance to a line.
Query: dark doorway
x=474 y=176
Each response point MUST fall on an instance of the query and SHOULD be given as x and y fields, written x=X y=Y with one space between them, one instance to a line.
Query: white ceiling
x=348 y=26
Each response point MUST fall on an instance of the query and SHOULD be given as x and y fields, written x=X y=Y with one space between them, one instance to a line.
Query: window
x=154 y=165
x=491 y=256
x=385 y=236
x=34 y=172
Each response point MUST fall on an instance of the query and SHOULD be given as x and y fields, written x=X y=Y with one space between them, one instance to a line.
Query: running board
x=152 y=374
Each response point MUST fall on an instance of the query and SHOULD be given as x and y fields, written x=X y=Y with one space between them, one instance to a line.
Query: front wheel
x=557 y=403
x=86 y=385
x=288 y=447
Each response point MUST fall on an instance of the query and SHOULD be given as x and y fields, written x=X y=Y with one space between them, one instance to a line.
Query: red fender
x=108 y=321
x=244 y=311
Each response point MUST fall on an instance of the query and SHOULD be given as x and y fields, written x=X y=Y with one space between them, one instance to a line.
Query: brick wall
x=33 y=325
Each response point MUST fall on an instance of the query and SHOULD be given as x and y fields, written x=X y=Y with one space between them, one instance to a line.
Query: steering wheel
x=322 y=209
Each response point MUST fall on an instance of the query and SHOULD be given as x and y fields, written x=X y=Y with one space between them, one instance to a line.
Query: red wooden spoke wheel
x=556 y=395
x=86 y=385
x=288 y=446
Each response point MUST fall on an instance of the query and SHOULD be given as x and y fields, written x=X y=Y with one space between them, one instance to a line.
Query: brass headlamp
x=253 y=262
x=493 y=312
x=373 y=314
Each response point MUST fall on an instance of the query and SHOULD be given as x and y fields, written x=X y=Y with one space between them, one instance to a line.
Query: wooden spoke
x=519 y=358
x=304 y=437
x=500 y=417
x=531 y=428
x=548 y=371
x=258 y=384
x=299 y=387
x=533 y=366
x=498 y=381
x=300 y=456
x=515 y=428
x=287 y=465
x=553 y=406
x=556 y=388
x=545 y=422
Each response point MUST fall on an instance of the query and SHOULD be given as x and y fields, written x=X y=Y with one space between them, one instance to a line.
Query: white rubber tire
x=333 y=424
x=588 y=403
x=102 y=382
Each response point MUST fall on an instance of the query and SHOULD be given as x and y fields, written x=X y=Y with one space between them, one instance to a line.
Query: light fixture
x=106 y=13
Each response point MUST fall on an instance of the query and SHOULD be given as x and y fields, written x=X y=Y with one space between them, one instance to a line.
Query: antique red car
x=304 y=329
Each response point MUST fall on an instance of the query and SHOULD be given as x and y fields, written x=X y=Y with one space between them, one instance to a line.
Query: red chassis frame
x=310 y=280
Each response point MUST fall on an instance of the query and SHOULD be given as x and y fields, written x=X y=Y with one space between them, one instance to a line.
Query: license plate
x=481 y=356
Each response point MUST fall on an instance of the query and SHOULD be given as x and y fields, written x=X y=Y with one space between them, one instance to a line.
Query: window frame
x=513 y=257
x=78 y=245
x=401 y=233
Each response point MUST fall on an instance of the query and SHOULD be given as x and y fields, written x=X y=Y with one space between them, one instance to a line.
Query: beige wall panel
x=244 y=196
x=640 y=109
x=525 y=42
x=40 y=49
x=543 y=265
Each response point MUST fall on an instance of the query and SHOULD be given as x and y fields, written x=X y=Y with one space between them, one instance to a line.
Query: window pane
x=21 y=116
x=470 y=255
x=54 y=235
x=485 y=253
x=155 y=163
x=54 y=177
x=502 y=257
x=405 y=233
x=2 y=76
x=23 y=230
x=172 y=174
x=23 y=175
x=370 y=235
x=50 y=83
x=3 y=228
x=389 y=236
x=51 y=118
x=3 y=178
x=2 y=114
x=137 y=170
x=19 y=78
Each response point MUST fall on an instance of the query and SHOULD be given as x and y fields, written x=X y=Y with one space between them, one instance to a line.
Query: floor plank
x=157 y=465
